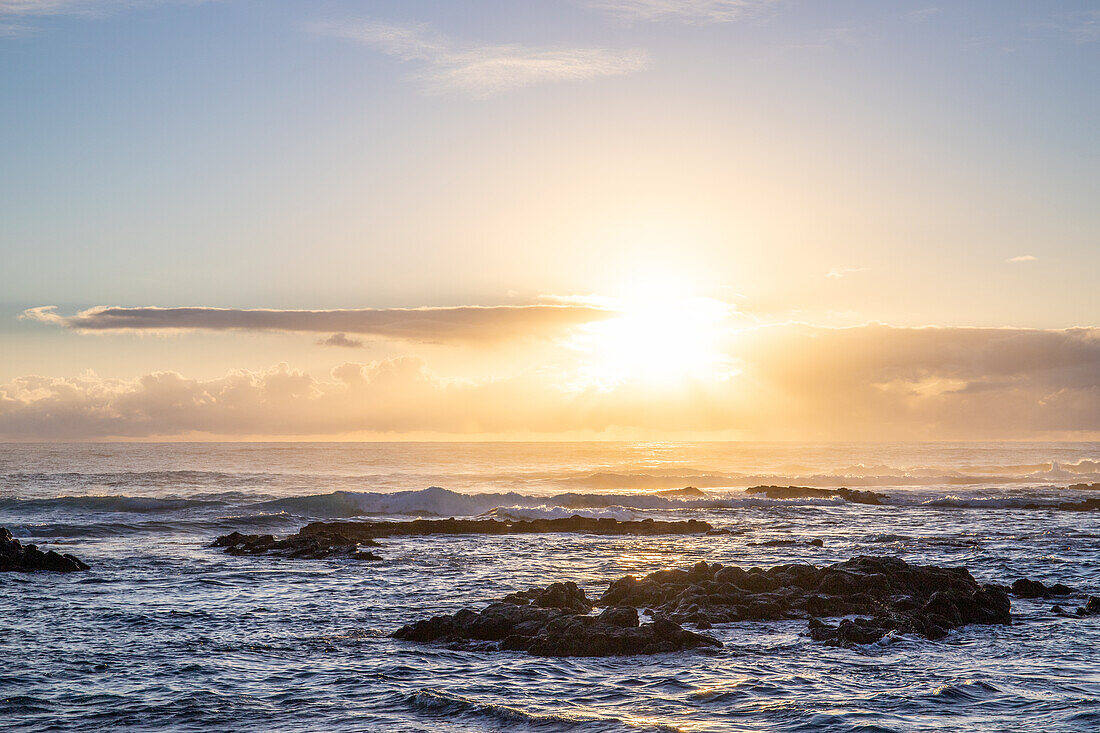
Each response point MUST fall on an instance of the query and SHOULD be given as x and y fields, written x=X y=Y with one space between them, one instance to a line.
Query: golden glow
x=661 y=337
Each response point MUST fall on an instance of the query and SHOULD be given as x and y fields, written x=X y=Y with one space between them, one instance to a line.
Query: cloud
x=340 y=339
x=838 y=272
x=920 y=15
x=11 y=9
x=1022 y=258
x=424 y=325
x=1083 y=27
x=797 y=382
x=688 y=11
x=483 y=70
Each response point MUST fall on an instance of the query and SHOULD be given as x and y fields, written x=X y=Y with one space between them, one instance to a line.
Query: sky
x=554 y=219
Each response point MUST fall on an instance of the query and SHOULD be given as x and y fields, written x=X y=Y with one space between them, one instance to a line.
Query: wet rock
x=1027 y=588
x=566 y=596
x=817 y=543
x=624 y=616
x=15 y=556
x=554 y=632
x=314 y=547
x=585 y=525
x=1091 y=608
x=891 y=594
x=854 y=496
x=688 y=492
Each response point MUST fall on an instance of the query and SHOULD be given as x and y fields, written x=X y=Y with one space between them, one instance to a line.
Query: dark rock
x=566 y=596
x=1091 y=608
x=1026 y=588
x=15 y=556
x=893 y=595
x=586 y=525
x=624 y=616
x=297 y=547
x=817 y=543
x=854 y=496
x=555 y=631
x=688 y=492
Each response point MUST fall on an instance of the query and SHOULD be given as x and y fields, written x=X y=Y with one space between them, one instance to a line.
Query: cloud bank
x=796 y=382
x=425 y=325
x=483 y=70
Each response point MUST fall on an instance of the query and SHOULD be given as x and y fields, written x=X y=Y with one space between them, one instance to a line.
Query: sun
x=657 y=339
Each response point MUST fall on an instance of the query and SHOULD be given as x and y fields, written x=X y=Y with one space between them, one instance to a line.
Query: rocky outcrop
x=553 y=622
x=896 y=597
x=854 y=496
x=885 y=594
x=313 y=547
x=586 y=525
x=15 y=556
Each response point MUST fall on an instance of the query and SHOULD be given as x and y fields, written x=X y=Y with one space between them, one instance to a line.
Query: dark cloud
x=428 y=325
x=340 y=339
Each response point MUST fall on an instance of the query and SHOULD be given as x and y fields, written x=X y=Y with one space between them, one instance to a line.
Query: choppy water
x=166 y=634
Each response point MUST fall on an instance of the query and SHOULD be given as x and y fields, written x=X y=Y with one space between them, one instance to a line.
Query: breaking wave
x=440 y=502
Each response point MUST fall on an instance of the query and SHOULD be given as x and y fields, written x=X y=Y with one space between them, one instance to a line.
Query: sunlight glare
x=660 y=338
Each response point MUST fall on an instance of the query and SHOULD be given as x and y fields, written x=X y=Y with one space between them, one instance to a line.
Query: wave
x=439 y=702
x=440 y=502
x=116 y=503
x=856 y=475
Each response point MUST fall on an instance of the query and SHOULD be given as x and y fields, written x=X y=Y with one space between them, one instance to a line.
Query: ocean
x=165 y=633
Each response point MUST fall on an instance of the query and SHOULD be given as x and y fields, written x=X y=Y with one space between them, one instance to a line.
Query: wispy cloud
x=685 y=11
x=838 y=272
x=483 y=70
x=920 y=15
x=425 y=325
x=1022 y=258
x=14 y=13
x=1083 y=27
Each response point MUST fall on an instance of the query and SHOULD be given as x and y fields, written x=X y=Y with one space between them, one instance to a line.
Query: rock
x=566 y=596
x=817 y=543
x=1026 y=588
x=555 y=631
x=296 y=547
x=15 y=556
x=624 y=616
x=1091 y=608
x=891 y=594
x=688 y=492
x=854 y=496
x=587 y=525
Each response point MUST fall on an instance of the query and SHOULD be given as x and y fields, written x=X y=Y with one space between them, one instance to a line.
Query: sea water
x=167 y=633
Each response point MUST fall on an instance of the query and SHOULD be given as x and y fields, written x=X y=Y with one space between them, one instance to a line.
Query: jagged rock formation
x=552 y=622
x=15 y=556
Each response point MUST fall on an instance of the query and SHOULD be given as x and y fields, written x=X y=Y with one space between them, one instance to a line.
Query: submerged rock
x=552 y=622
x=1027 y=588
x=15 y=556
x=895 y=596
x=584 y=525
x=314 y=547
